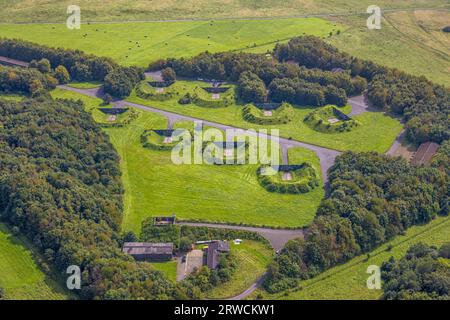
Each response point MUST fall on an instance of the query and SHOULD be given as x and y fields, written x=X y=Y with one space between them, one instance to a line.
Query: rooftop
x=136 y=248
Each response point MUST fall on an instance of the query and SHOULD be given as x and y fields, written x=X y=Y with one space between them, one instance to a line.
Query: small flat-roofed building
x=212 y=253
x=145 y=251
x=425 y=153
x=164 y=221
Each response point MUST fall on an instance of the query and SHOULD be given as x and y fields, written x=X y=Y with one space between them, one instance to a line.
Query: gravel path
x=360 y=104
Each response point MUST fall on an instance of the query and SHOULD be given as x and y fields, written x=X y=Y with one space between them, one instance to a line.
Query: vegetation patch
x=252 y=259
x=22 y=276
x=280 y=115
x=423 y=274
x=330 y=119
x=289 y=179
x=348 y=281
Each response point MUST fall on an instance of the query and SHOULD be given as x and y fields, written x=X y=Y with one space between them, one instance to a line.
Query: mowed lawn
x=20 y=276
x=168 y=268
x=348 y=281
x=252 y=258
x=229 y=194
x=377 y=131
x=141 y=43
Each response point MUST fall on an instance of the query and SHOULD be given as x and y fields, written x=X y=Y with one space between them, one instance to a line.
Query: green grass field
x=142 y=43
x=169 y=269
x=403 y=42
x=109 y=10
x=85 y=85
x=20 y=276
x=377 y=131
x=410 y=41
x=252 y=258
x=232 y=194
x=348 y=281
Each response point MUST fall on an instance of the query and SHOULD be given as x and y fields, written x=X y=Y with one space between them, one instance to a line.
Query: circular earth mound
x=152 y=140
x=145 y=91
x=293 y=179
x=205 y=99
x=330 y=119
x=109 y=117
x=219 y=153
x=280 y=115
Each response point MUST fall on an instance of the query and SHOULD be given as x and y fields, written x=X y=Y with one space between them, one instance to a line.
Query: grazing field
x=405 y=39
x=229 y=194
x=252 y=258
x=376 y=131
x=20 y=276
x=141 y=43
x=410 y=41
x=348 y=281
x=109 y=10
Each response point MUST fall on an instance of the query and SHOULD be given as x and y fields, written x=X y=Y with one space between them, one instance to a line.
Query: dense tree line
x=251 y=88
x=184 y=236
x=423 y=274
x=372 y=199
x=60 y=185
x=424 y=105
x=255 y=73
x=298 y=91
x=119 y=80
x=28 y=81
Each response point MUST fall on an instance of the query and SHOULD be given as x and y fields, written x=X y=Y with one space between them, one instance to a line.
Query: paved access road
x=326 y=156
x=276 y=237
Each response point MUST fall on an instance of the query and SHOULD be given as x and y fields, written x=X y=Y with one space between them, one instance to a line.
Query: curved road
x=277 y=237
x=326 y=156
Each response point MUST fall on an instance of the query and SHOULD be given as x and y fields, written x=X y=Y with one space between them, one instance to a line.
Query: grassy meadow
x=229 y=194
x=410 y=41
x=113 y=10
x=168 y=268
x=141 y=43
x=20 y=276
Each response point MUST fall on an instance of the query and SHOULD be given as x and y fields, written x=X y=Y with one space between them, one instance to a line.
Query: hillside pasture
x=141 y=43
x=21 y=277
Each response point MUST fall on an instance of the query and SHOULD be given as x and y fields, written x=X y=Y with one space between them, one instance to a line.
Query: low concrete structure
x=425 y=153
x=164 y=221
